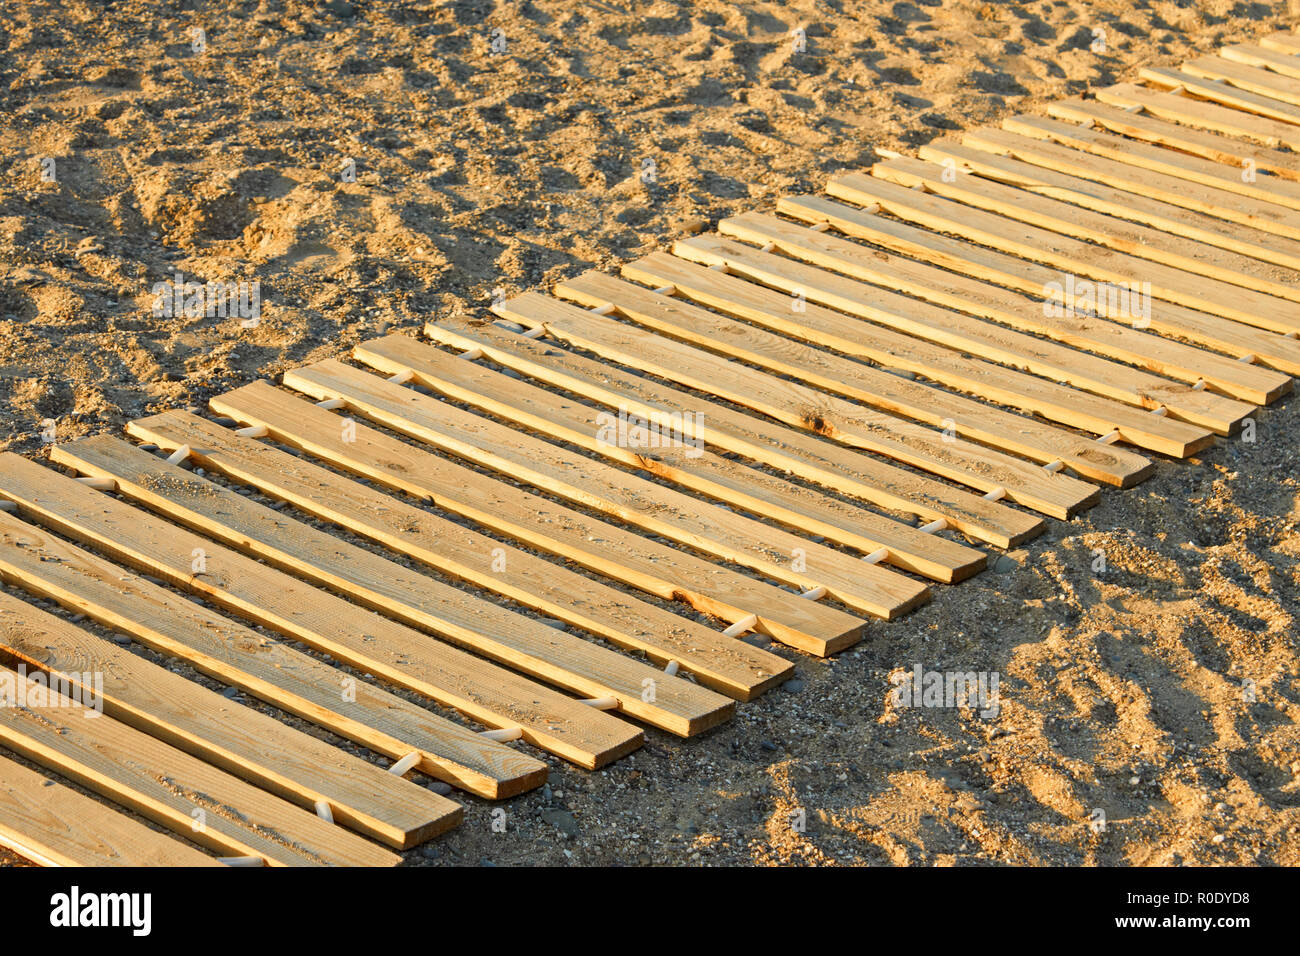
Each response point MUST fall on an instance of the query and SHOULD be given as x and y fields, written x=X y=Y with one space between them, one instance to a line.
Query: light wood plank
x=958 y=460
x=54 y=825
x=598 y=545
x=610 y=490
x=498 y=633
x=1113 y=337
x=1282 y=42
x=1087 y=260
x=406 y=814
x=1266 y=202
x=796 y=452
x=1259 y=55
x=717 y=660
x=1201 y=114
x=1219 y=92
x=166 y=785
x=1057 y=172
x=273 y=599
x=240 y=740
x=1244 y=77
x=696 y=468
x=1230 y=150
x=969 y=336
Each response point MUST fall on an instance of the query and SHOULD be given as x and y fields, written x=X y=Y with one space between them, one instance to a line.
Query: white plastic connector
x=875 y=557
x=179 y=455
x=99 y=484
x=400 y=767
x=536 y=333
x=938 y=524
x=666 y=290
x=1052 y=467
x=995 y=494
x=814 y=594
x=252 y=431
x=1248 y=358
x=670 y=668
x=1110 y=437
x=1199 y=386
x=471 y=355
x=324 y=812
x=602 y=703
x=503 y=734
x=605 y=309
x=820 y=226
x=741 y=626
x=1160 y=412
x=768 y=247
x=8 y=506
x=402 y=377
x=241 y=860
x=329 y=404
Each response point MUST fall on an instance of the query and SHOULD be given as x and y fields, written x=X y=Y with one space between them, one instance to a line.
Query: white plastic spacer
x=1199 y=386
x=242 y=860
x=1248 y=358
x=741 y=626
x=179 y=455
x=100 y=484
x=324 y=812
x=504 y=734
x=252 y=431
x=719 y=267
x=470 y=355
x=1052 y=467
x=820 y=226
x=8 y=506
x=1135 y=108
x=872 y=209
x=402 y=377
x=666 y=290
x=670 y=668
x=938 y=524
x=536 y=333
x=1291 y=335
x=1178 y=90
x=814 y=594
x=605 y=309
x=875 y=557
x=995 y=494
x=1110 y=437
x=602 y=703
x=400 y=767
x=329 y=404
x=1160 y=412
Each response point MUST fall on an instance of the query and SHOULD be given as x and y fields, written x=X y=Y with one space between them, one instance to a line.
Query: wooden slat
x=1010 y=432
x=1231 y=150
x=406 y=814
x=240 y=740
x=1245 y=77
x=1055 y=171
x=1200 y=114
x=1091 y=261
x=1118 y=387
x=696 y=468
x=610 y=490
x=270 y=598
x=956 y=459
x=500 y=634
x=791 y=450
x=167 y=785
x=1251 y=54
x=735 y=667
x=1116 y=338
x=54 y=825
x=1038 y=280
x=1266 y=202
x=1282 y=42
x=598 y=545
x=1219 y=92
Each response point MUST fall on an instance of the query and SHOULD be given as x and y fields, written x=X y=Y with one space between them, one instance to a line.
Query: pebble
x=768 y=746
x=793 y=686
x=1004 y=565
x=123 y=639
x=230 y=692
x=562 y=820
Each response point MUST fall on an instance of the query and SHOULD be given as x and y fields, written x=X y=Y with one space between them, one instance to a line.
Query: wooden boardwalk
x=449 y=557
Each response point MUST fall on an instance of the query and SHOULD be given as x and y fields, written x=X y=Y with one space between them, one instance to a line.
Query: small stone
x=230 y=693
x=1218 y=838
x=562 y=820
x=793 y=686
x=1004 y=565
x=123 y=639
x=768 y=746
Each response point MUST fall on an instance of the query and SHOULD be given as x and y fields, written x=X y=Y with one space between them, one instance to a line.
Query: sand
x=500 y=147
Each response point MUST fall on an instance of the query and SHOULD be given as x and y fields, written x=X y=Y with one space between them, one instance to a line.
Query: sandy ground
x=598 y=133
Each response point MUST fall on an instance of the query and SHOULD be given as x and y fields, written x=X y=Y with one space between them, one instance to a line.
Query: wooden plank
x=1063 y=252
x=964 y=416
x=247 y=743
x=1282 y=42
x=1115 y=384
x=594 y=484
x=1082 y=330
x=791 y=450
x=598 y=545
x=1028 y=276
x=167 y=785
x=1217 y=91
x=1269 y=202
x=692 y=467
x=270 y=598
x=1259 y=55
x=1200 y=114
x=1244 y=77
x=500 y=634
x=406 y=814
x=1049 y=170
x=1137 y=124
x=54 y=825
x=718 y=661
x=975 y=466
